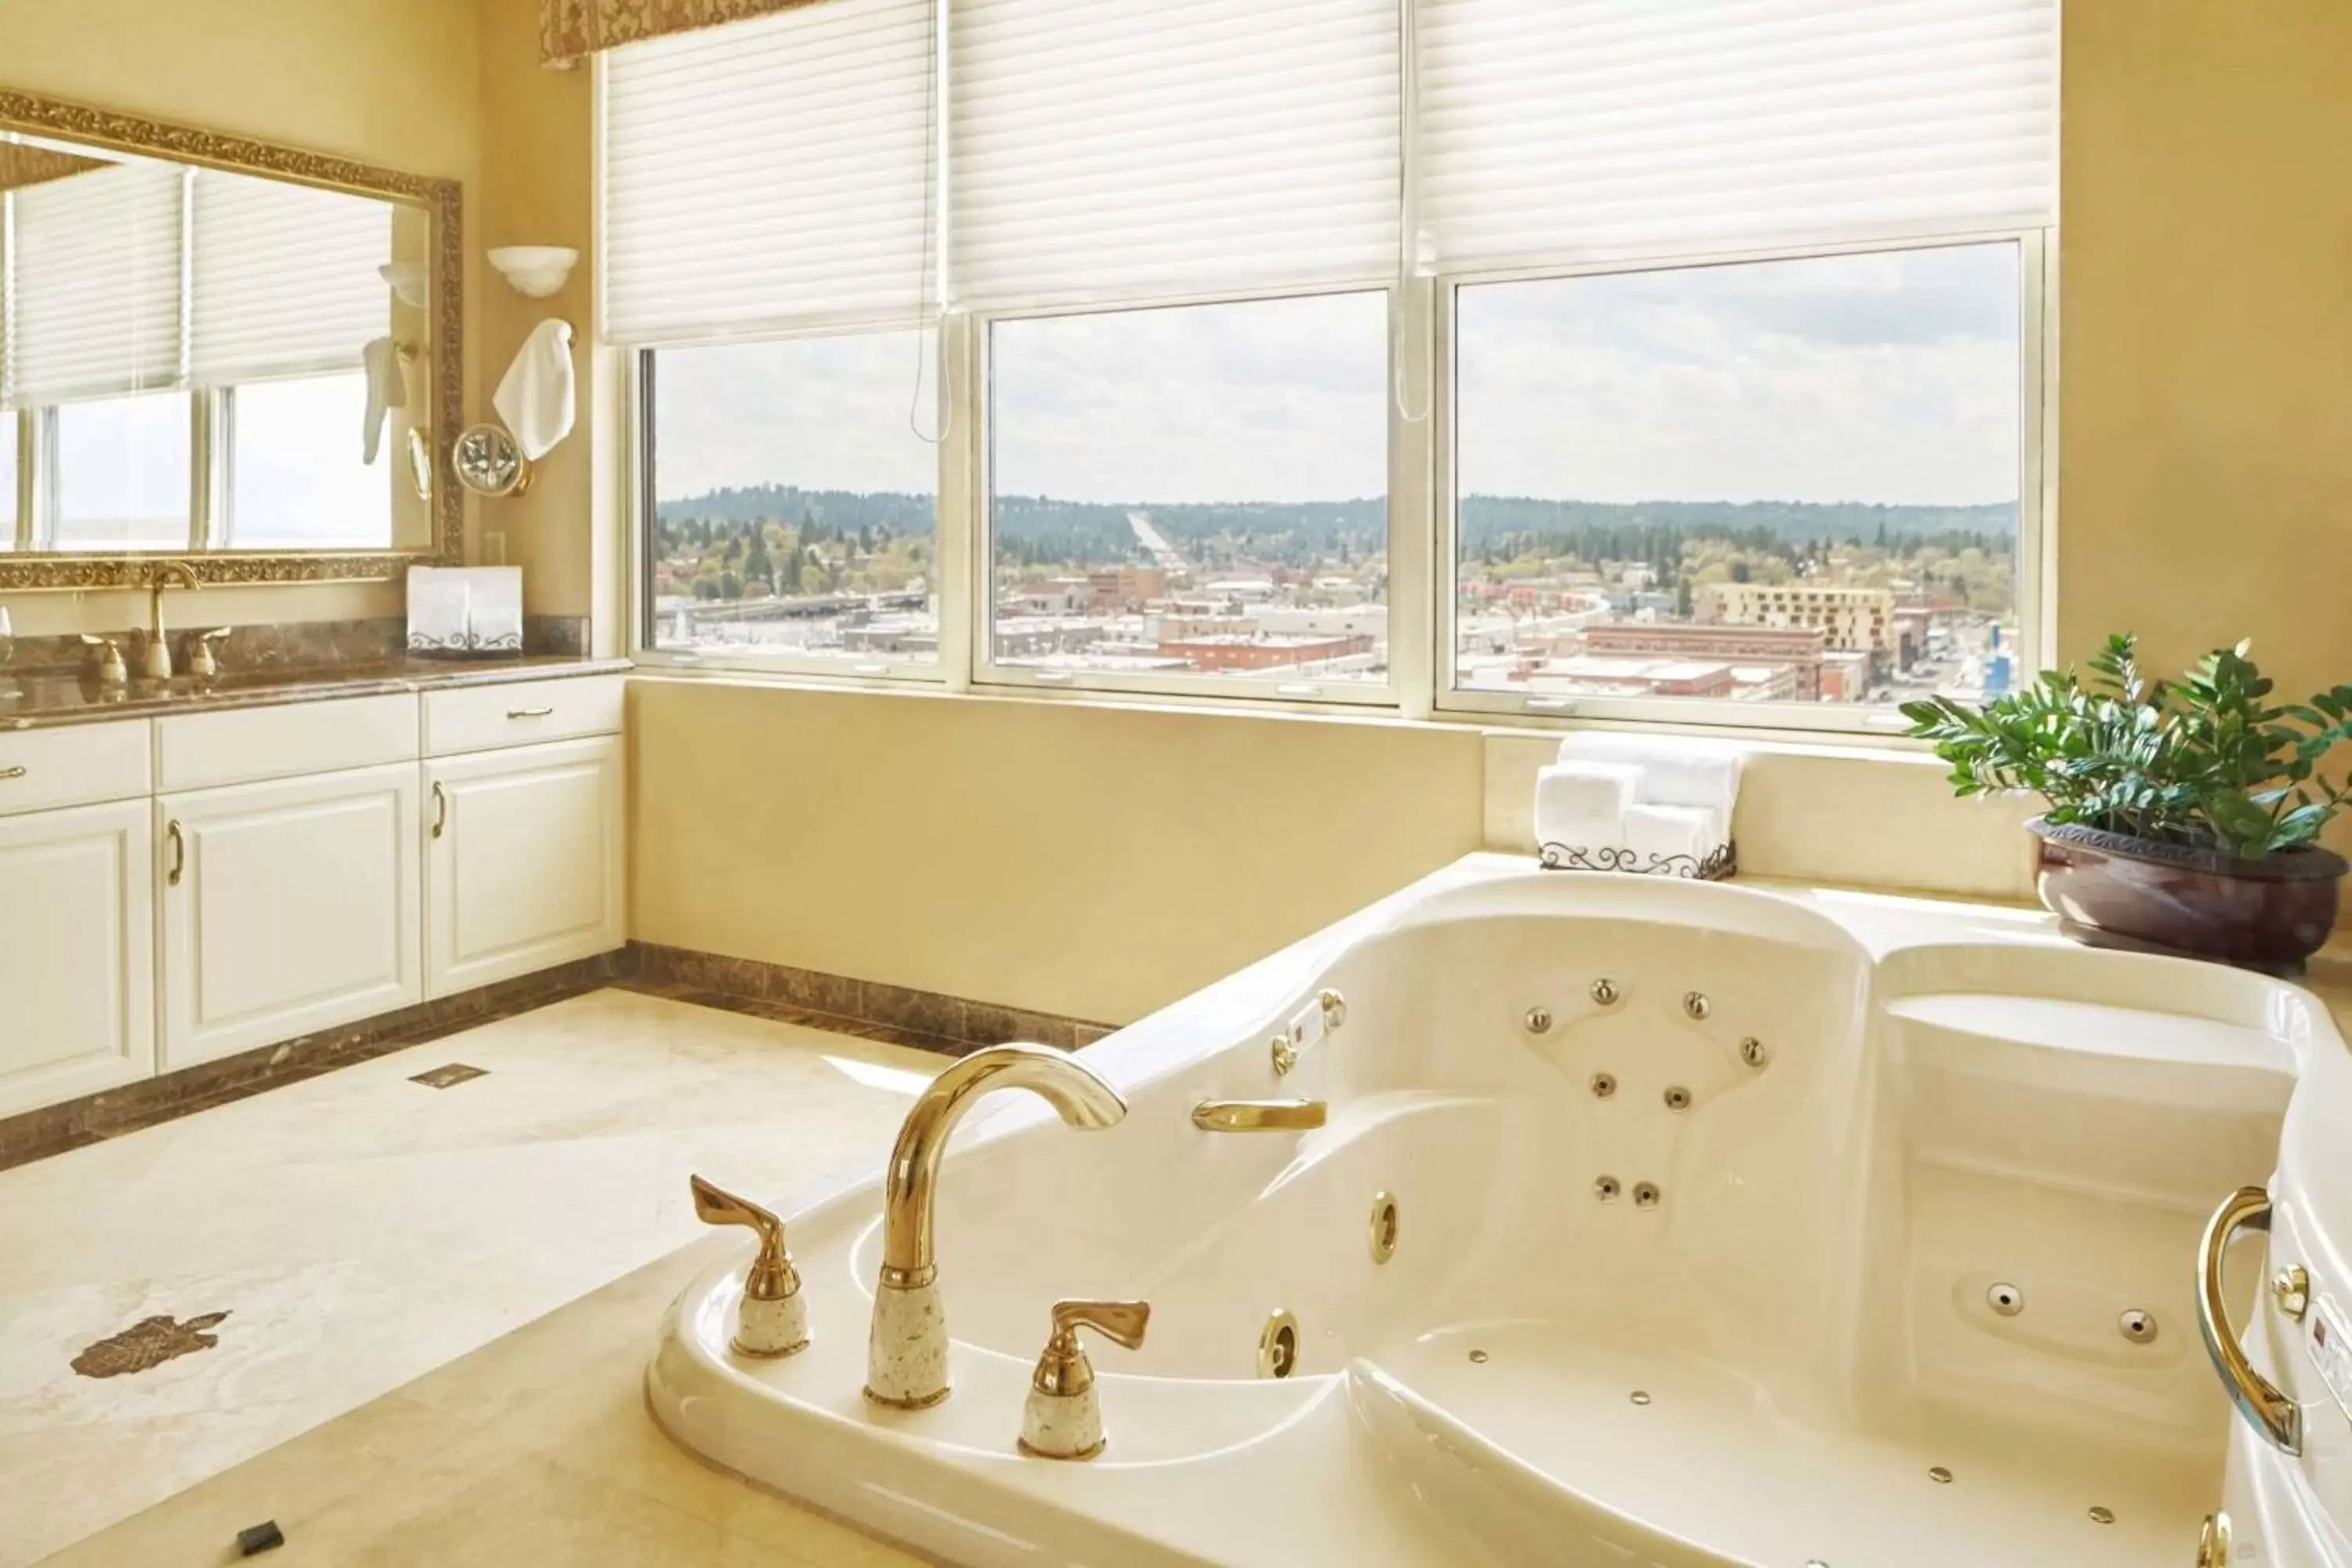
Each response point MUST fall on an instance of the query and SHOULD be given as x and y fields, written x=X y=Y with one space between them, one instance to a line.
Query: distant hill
x=1047 y=528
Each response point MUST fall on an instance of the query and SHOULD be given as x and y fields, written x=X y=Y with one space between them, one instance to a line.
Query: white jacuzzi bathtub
x=1794 y=1356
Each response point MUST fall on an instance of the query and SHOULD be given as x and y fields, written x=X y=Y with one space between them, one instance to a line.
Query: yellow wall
x=1096 y=861
x=2205 y=397
x=538 y=188
x=394 y=82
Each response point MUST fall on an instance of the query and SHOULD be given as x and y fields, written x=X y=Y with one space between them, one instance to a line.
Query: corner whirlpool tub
x=1730 y=1227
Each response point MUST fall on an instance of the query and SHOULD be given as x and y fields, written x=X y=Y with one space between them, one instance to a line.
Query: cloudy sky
x=1884 y=378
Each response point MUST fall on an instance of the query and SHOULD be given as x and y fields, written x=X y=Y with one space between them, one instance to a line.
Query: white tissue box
x=465 y=610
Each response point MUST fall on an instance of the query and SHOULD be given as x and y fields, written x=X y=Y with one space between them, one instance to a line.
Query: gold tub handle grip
x=2266 y=1406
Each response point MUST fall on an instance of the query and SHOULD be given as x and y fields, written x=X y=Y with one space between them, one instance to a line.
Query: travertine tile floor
x=360 y=1231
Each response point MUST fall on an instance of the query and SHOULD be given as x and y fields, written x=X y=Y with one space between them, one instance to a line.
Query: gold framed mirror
x=246 y=356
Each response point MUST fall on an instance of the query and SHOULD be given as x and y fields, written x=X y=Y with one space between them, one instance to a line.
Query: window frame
x=2035 y=255
x=986 y=672
x=642 y=450
x=1422 y=603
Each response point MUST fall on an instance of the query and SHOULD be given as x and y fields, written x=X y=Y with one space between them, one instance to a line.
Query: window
x=1224 y=515
x=295 y=473
x=121 y=473
x=1785 y=481
x=1646 y=360
x=791 y=507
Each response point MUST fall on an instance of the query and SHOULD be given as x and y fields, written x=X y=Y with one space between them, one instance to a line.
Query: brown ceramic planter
x=2274 y=913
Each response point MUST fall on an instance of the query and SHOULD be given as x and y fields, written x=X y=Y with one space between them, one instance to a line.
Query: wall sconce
x=536 y=270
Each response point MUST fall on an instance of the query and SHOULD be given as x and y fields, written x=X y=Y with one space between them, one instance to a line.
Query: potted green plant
x=2182 y=814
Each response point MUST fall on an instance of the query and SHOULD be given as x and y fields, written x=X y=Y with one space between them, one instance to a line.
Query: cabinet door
x=288 y=907
x=77 y=952
x=523 y=867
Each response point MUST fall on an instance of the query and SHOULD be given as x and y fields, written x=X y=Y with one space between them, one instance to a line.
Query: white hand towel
x=387 y=389
x=1675 y=771
x=535 y=397
x=1584 y=805
x=437 y=606
x=1656 y=833
x=493 y=608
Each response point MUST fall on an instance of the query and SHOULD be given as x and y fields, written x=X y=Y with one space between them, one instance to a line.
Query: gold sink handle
x=1061 y=1419
x=2266 y=1406
x=774 y=1321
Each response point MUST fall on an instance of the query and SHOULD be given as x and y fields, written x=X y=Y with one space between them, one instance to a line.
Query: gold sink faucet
x=906 y=1351
x=155 y=659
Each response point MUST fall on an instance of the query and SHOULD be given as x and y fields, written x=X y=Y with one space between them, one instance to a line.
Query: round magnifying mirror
x=488 y=462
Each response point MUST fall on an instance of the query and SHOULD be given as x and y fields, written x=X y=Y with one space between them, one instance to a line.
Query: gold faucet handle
x=107 y=653
x=772 y=1277
x=205 y=658
x=1121 y=1322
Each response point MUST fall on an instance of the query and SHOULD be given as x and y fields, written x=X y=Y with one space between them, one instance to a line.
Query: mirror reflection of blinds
x=1123 y=149
x=283 y=278
x=1555 y=131
x=771 y=175
x=94 y=301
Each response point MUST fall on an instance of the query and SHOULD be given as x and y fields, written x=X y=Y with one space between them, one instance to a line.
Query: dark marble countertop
x=39 y=700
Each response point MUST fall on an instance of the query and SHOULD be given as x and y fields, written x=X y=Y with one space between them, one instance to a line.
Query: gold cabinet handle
x=2266 y=1405
x=179 y=842
x=14 y=772
x=440 y=810
x=528 y=712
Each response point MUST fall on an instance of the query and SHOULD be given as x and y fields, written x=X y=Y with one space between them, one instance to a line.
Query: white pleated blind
x=1107 y=149
x=284 y=279
x=769 y=173
x=94 y=275
x=1564 y=130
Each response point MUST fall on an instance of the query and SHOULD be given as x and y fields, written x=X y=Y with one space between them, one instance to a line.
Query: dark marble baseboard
x=897 y=1015
x=93 y=1118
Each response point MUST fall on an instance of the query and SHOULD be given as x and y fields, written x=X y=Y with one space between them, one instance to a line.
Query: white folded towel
x=387 y=389
x=535 y=396
x=437 y=602
x=493 y=608
x=1659 y=833
x=1584 y=805
x=1675 y=770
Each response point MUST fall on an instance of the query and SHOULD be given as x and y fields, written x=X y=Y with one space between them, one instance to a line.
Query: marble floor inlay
x=362 y=1235
x=148 y=1344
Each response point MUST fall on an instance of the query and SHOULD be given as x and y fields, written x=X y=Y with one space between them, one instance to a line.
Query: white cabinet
x=288 y=906
x=180 y=889
x=524 y=861
x=77 y=952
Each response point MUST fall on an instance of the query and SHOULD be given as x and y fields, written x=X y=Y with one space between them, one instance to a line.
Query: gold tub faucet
x=907 y=1351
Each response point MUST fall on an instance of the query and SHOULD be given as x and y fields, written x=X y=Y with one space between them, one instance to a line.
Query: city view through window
x=1790 y=482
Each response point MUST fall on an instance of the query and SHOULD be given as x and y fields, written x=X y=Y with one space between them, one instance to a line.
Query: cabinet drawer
x=80 y=765
x=522 y=713
x=200 y=750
